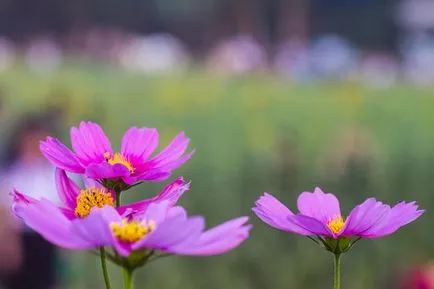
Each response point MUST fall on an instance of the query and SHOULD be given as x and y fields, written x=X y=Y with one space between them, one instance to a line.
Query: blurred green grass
x=255 y=134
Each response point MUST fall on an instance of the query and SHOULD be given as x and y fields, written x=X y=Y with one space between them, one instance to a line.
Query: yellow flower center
x=132 y=231
x=117 y=158
x=336 y=224
x=92 y=198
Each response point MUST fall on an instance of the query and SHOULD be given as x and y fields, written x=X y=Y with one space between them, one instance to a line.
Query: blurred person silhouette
x=24 y=168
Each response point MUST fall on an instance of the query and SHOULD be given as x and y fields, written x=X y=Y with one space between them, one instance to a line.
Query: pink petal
x=313 y=226
x=274 y=213
x=60 y=156
x=122 y=248
x=177 y=163
x=171 y=232
x=91 y=183
x=177 y=211
x=171 y=153
x=90 y=143
x=364 y=216
x=221 y=230
x=139 y=143
x=46 y=219
x=156 y=212
x=20 y=201
x=106 y=171
x=67 y=189
x=68 y=213
x=111 y=215
x=223 y=245
x=396 y=217
x=171 y=193
x=318 y=205
x=154 y=176
x=217 y=240
x=95 y=228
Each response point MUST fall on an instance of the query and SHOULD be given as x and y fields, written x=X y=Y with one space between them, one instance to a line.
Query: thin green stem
x=128 y=278
x=136 y=184
x=354 y=242
x=104 y=268
x=118 y=204
x=337 y=278
x=155 y=257
x=118 y=198
x=316 y=241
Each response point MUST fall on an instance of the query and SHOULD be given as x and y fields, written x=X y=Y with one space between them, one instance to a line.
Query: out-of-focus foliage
x=256 y=134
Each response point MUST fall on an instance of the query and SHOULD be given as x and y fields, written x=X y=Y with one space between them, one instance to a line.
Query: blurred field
x=256 y=134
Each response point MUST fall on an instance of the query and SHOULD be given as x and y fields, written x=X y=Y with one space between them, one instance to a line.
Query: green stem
x=128 y=278
x=155 y=257
x=104 y=268
x=337 y=278
x=118 y=198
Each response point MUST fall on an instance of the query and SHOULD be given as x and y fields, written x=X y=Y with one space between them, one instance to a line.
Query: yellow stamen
x=131 y=232
x=92 y=198
x=336 y=224
x=117 y=158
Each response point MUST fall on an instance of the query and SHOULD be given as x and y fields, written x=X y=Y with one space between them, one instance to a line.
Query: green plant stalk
x=128 y=278
x=128 y=274
x=118 y=198
x=337 y=273
x=104 y=268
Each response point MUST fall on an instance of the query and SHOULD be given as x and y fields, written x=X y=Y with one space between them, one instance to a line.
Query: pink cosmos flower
x=160 y=227
x=320 y=215
x=94 y=155
x=78 y=203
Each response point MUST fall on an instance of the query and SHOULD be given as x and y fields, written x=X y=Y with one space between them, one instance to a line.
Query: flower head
x=92 y=197
x=93 y=154
x=159 y=227
x=320 y=215
x=132 y=231
x=78 y=203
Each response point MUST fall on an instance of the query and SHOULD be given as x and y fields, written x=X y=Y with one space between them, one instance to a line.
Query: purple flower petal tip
x=60 y=156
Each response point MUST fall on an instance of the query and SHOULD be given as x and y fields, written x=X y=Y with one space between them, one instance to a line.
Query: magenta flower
x=94 y=155
x=160 y=227
x=321 y=220
x=320 y=215
x=78 y=203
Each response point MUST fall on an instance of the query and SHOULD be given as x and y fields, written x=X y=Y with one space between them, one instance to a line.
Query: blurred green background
x=254 y=134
